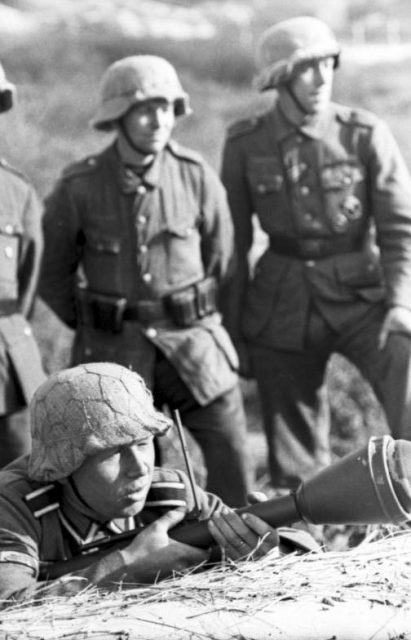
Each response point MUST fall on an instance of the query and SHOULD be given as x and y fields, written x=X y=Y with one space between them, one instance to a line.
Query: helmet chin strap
x=296 y=101
x=123 y=129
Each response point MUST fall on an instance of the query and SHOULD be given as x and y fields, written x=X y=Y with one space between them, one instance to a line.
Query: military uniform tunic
x=41 y=524
x=323 y=191
x=20 y=362
x=134 y=241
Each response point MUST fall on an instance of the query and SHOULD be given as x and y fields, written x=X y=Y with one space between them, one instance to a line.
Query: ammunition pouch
x=108 y=313
x=193 y=303
x=100 y=311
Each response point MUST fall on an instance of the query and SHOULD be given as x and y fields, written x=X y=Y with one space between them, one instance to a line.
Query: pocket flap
x=358 y=270
x=265 y=174
x=102 y=243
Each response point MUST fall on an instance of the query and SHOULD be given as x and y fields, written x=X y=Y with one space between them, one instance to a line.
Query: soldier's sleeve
x=19 y=559
x=234 y=179
x=391 y=208
x=217 y=235
x=31 y=252
x=61 y=253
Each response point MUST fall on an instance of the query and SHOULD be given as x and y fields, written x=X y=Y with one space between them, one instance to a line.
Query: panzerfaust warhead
x=370 y=486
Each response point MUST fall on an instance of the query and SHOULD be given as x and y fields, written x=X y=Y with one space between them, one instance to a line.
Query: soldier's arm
x=30 y=252
x=234 y=180
x=391 y=209
x=217 y=233
x=61 y=253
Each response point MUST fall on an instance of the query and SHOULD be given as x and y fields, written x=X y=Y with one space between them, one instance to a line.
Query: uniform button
x=141 y=189
x=143 y=248
x=8 y=252
x=305 y=190
x=147 y=277
x=310 y=263
x=142 y=219
x=87 y=351
x=9 y=229
x=151 y=332
x=261 y=188
x=91 y=162
x=27 y=331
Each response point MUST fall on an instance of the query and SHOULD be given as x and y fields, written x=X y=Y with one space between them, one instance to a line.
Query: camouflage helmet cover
x=135 y=79
x=7 y=92
x=289 y=43
x=84 y=410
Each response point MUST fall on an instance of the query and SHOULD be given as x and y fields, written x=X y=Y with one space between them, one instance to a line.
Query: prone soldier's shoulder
x=356 y=117
x=162 y=474
x=180 y=151
x=244 y=127
x=83 y=167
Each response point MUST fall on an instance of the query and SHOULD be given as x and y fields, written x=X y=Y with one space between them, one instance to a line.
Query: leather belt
x=145 y=311
x=313 y=248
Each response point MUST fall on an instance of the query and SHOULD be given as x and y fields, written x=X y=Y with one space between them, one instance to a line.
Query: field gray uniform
x=20 y=362
x=132 y=263
x=40 y=525
x=322 y=286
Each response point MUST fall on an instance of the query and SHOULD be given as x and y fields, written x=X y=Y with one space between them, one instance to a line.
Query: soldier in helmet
x=20 y=253
x=91 y=475
x=324 y=181
x=137 y=241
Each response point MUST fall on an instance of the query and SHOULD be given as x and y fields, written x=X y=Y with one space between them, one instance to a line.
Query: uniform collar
x=150 y=176
x=83 y=524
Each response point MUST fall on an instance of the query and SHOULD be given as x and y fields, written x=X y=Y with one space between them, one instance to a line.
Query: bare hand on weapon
x=152 y=554
x=245 y=536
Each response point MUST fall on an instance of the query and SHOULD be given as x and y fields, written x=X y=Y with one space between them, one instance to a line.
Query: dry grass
x=376 y=575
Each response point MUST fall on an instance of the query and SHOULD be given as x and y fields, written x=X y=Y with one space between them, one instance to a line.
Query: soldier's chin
x=133 y=502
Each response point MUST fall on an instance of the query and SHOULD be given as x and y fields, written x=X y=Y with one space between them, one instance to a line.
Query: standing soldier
x=137 y=239
x=322 y=179
x=20 y=253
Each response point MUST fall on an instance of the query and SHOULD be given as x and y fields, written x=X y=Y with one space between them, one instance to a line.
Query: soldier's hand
x=153 y=554
x=397 y=320
x=244 y=368
x=245 y=536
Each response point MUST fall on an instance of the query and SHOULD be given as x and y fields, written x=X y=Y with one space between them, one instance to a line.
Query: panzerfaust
x=370 y=486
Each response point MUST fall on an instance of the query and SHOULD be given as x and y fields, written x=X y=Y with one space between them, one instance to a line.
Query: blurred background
x=56 y=51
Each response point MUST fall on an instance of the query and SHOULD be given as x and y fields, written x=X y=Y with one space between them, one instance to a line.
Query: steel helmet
x=289 y=43
x=135 y=79
x=81 y=411
x=7 y=92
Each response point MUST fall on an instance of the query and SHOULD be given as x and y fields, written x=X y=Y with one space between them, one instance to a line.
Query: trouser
x=294 y=398
x=219 y=428
x=15 y=438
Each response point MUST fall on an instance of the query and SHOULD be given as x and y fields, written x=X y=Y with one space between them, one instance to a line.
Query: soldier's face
x=312 y=83
x=115 y=482
x=149 y=125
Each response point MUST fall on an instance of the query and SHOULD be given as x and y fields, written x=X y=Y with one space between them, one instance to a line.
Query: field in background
x=58 y=79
